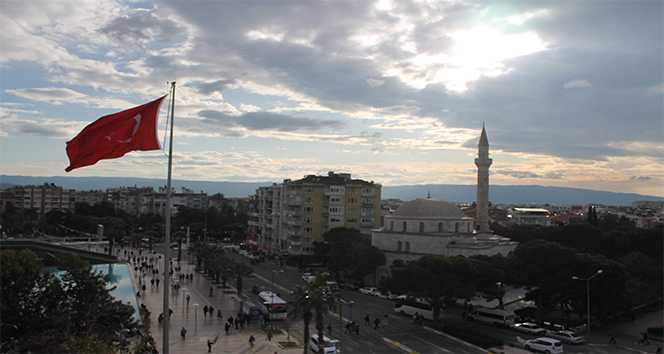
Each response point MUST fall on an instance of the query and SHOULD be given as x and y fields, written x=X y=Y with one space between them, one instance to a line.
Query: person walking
x=209 y=343
x=659 y=347
x=613 y=338
x=367 y=320
x=211 y=311
x=183 y=333
x=645 y=337
x=329 y=329
x=219 y=315
x=251 y=341
x=205 y=311
x=269 y=337
x=376 y=323
x=227 y=327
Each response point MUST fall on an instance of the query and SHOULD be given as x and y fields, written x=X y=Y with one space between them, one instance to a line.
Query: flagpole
x=167 y=231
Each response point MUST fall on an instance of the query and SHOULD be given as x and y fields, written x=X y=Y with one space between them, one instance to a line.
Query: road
x=399 y=329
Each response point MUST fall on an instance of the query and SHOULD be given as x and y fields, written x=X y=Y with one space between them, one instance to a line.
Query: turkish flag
x=114 y=135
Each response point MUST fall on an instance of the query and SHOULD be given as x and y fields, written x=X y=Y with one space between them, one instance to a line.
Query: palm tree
x=241 y=270
x=314 y=298
x=302 y=307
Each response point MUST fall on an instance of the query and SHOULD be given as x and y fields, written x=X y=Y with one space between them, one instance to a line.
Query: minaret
x=483 y=162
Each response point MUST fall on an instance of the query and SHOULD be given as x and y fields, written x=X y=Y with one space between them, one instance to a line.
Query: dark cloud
x=640 y=178
x=208 y=88
x=269 y=121
x=142 y=26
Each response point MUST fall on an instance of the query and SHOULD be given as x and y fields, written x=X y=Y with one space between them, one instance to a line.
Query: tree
x=438 y=279
x=241 y=270
x=46 y=314
x=314 y=299
x=348 y=251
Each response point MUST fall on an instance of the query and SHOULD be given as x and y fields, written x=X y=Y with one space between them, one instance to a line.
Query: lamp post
x=588 y=297
x=274 y=271
x=195 y=318
x=184 y=291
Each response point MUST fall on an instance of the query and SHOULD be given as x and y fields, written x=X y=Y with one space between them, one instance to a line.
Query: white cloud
x=577 y=83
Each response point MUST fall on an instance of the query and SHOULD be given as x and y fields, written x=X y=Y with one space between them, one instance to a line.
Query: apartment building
x=42 y=198
x=287 y=218
x=137 y=201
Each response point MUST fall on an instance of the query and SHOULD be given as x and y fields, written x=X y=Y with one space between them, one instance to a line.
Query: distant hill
x=452 y=193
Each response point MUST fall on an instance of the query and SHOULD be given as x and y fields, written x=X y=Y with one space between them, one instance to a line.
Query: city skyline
x=391 y=91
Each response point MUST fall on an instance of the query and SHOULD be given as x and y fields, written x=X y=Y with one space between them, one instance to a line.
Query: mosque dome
x=428 y=208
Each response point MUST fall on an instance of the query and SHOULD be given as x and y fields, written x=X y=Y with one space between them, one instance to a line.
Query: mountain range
x=522 y=195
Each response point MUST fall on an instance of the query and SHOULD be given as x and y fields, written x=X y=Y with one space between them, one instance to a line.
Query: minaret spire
x=483 y=162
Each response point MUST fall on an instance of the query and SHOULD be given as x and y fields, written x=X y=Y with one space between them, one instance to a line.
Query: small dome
x=428 y=208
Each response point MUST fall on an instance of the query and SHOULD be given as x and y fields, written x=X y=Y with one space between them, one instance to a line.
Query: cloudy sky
x=571 y=92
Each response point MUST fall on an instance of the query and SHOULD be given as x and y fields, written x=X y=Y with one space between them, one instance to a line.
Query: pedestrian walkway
x=200 y=328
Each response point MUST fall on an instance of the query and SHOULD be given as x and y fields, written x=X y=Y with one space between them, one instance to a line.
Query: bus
x=410 y=307
x=276 y=307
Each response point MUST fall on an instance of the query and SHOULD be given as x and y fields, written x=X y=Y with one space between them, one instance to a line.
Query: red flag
x=114 y=135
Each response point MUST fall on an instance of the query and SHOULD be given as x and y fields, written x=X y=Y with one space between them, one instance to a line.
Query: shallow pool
x=121 y=278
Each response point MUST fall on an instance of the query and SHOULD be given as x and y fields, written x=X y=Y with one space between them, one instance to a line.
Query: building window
x=335 y=219
x=308 y=230
x=309 y=210
x=407 y=246
x=392 y=225
x=335 y=199
x=351 y=220
x=336 y=210
x=308 y=200
x=307 y=240
x=421 y=227
x=337 y=190
x=367 y=220
x=405 y=228
x=399 y=246
x=351 y=190
x=352 y=200
x=440 y=227
x=352 y=210
x=308 y=220
x=367 y=191
x=308 y=190
x=456 y=227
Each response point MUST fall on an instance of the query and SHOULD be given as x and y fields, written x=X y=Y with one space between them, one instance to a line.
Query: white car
x=567 y=337
x=529 y=328
x=384 y=295
x=544 y=344
x=368 y=290
x=329 y=346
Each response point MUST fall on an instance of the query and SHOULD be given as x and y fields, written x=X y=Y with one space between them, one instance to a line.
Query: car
x=174 y=245
x=528 y=327
x=348 y=285
x=329 y=348
x=544 y=344
x=308 y=277
x=384 y=295
x=368 y=290
x=567 y=337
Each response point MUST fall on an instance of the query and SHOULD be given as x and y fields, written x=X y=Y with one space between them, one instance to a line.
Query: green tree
x=239 y=271
x=438 y=279
x=349 y=253
x=314 y=300
x=46 y=314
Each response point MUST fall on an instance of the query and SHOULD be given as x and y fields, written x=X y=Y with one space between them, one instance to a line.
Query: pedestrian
x=640 y=341
x=219 y=315
x=237 y=323
x=376 y=323
x=269 y=337
x=645 y=337
x=183 y=333
x=227 y=327
x=251 y=341
x=205 y=311
x=157 y=282
x=367 y=320
x=348 y=328
x=152 y=282
x=211 y=311
x=659 y=347
x=613 y=338
x=209 y=343
x=230 y=321
x=384 y=320
x=329 y=329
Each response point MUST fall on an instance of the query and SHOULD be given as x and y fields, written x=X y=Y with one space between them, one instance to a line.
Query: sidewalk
x=199 y=327
x=627 y=334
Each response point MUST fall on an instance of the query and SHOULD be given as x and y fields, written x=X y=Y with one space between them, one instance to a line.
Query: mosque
x=430 y=226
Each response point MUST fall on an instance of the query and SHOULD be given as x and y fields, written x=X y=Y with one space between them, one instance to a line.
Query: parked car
x=329 y=347
x=368 y=290
x=348 y=285
x=384 y=295
x=567 y=337
x=544 y=344
x=529 y=328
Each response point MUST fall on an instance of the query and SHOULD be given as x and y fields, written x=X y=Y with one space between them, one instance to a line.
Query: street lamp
x=184 y=291
x=196 y=318
x=588 y=296
x=272 y=297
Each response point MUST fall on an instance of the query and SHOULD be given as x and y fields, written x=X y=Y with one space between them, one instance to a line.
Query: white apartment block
x=43 y=198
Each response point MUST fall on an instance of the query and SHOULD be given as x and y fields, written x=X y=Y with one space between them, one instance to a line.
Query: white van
x=546 y=345
x=496 y=317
